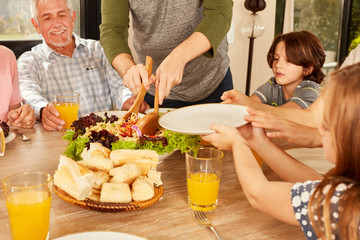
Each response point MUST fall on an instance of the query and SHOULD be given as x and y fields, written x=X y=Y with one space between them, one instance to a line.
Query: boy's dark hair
x=302 y=49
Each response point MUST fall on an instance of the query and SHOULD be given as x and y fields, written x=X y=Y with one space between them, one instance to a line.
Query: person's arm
x=311 y=116
x=118 y=92
x=270 y=197
x=292 y=132
x=205 y=40
x=30 y=87
x=216 y=23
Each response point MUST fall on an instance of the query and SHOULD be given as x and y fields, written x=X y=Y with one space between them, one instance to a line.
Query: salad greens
x=174 y=141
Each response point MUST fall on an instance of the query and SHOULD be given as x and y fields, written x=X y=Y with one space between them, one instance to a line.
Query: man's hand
x=50 y=118
x=130 y=101
x=284 y=129
x=23 y=117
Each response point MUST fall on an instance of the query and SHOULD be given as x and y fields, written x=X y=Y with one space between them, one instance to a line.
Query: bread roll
x=95 y=149
x=97 y=163
x=155 y=177
x=143 y=158
x=94 y=197
x=142 y=189
x=100 y=178
x=125 y=174
x=74 y=179
x=115 y=192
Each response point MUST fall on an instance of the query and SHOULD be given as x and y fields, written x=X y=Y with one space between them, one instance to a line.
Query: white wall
x=238 y=51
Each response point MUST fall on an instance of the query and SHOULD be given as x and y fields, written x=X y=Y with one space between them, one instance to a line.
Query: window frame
x=344 y=40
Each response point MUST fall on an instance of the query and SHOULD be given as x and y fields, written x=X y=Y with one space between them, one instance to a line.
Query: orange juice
x=258 y=158
x=68 y=112
x=203 y=189
x=29 y=210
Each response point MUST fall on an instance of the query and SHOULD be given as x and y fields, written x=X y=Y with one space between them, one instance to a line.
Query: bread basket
x=107 y=206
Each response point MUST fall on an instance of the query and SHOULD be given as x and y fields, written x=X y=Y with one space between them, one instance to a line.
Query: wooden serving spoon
x=140 y=97
x=149 y=123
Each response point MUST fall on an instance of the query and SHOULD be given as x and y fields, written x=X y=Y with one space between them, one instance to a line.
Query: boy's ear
x=308 y=70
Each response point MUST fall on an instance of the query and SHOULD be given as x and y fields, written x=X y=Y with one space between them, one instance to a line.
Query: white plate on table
x=116 y=113
x=196 y=120
x=100 y=235
x=10 y=137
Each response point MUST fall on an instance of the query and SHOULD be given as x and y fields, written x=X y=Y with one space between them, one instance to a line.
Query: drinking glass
x=203 y=173
x=28 y=200
x=67 y=103
x=2 y=142
x=258 y=158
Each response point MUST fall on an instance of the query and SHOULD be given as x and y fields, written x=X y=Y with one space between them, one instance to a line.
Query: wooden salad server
x=149 y=123
x=140 y=97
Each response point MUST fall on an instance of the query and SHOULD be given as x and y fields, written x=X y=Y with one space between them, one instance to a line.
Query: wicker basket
x=107 y=206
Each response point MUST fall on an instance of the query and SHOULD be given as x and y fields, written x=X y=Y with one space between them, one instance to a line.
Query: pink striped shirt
x=9 y=82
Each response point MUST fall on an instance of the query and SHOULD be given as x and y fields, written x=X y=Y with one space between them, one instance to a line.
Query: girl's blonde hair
x=342 y=119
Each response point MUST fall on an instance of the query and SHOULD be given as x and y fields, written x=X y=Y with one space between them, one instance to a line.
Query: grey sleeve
x=306 y=93
x=263 y=92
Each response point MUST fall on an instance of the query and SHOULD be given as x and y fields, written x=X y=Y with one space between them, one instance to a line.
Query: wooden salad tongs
x=149 y=123
x=140 y=97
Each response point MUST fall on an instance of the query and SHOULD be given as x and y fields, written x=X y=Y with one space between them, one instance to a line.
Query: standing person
x=186 y=39
x=296 y=60
x=11 y=109
x=326 y=209
x=66 y=63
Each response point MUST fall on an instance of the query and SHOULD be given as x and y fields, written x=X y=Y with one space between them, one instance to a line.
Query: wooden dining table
x=169 y=218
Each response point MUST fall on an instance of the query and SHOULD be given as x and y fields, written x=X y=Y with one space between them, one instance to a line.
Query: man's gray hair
x=34 y=11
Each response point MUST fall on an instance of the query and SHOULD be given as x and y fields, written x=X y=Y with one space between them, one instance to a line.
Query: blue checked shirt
x=43 y=72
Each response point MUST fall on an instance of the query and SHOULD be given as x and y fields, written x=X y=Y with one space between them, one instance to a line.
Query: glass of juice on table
x=203 y=172
x=67 y=104
x=2 y=142
x=28 y=200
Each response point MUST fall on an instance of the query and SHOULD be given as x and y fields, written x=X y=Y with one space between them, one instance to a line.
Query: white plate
x=100 y=235
x=196 y=119
x=117 y=113
x=10 y=137
x=161 y=110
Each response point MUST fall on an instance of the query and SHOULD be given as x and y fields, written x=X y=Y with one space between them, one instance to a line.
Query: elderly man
x=66 y=63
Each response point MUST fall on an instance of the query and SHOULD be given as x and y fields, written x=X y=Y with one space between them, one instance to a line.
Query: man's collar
x=47 y=50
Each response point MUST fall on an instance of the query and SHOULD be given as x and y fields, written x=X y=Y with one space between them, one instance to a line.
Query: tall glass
x=203 y=173
x=28 y=200
x=67 y=104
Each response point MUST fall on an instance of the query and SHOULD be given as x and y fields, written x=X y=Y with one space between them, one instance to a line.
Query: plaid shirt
x=43 y=72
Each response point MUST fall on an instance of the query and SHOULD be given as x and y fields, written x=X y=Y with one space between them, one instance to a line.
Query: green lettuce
x=75 y=147
x=176 y=141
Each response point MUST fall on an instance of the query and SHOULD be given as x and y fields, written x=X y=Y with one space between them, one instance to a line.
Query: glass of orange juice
x=203 y=172
x=67 y=104
x=2 y=142
x=28 y=200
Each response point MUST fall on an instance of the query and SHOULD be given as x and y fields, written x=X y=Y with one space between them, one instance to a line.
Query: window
x=15 y=23
x=335 y=22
